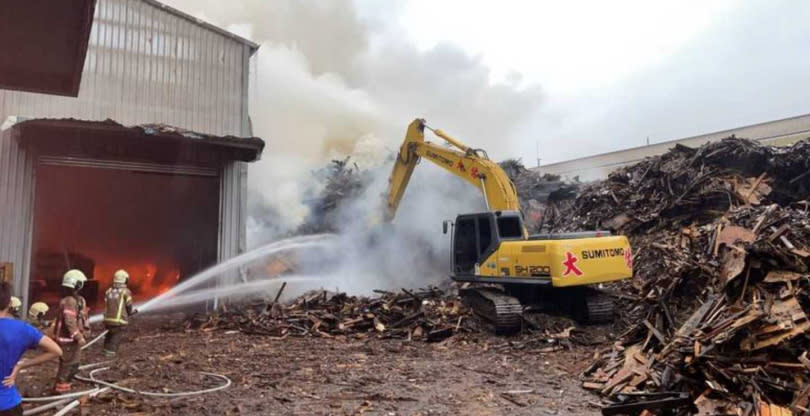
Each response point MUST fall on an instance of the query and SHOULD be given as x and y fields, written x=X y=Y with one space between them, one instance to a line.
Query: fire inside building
x=160 y=191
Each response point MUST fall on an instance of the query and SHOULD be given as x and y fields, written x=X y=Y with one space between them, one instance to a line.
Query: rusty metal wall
x=16 y=208
x=147 y=63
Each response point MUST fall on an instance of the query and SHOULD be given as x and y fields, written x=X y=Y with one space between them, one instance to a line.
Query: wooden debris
x=785 y=321
x=784 y=276
x=721 y=236
x=731 y=235
x=427 y=314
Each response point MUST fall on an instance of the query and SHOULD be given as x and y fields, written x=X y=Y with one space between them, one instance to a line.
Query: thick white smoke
x=327 y=83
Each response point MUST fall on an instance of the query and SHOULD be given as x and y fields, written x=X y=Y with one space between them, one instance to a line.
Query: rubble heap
x=538 y=192
x=686 y=184
x=425 y=314
x=532 y=185
x=342 y=181
x=717 y=306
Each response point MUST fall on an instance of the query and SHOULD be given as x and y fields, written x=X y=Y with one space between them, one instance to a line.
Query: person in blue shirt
x=16 y=337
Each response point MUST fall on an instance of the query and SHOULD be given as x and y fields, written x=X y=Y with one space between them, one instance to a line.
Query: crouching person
x=118 y=309
x=71 y=329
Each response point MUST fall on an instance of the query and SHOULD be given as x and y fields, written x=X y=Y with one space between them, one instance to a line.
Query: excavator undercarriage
x=503 y=307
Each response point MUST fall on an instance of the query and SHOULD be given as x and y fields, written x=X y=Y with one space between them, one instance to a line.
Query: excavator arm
x=470 y=164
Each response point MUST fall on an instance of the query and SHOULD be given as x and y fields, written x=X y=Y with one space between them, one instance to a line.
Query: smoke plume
x=327 y=83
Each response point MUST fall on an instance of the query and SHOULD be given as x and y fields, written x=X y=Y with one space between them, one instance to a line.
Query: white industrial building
x=160 y=186
x=779 y=132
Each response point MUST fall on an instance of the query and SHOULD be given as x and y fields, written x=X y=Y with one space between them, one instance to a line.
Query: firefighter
x=14 y=307
x=71 y=329
x=118 y=309
x=36 y=315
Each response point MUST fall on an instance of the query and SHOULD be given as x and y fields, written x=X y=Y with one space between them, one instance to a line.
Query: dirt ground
x=470 y=374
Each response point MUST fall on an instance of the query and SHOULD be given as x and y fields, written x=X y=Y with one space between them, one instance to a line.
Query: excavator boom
x=469 y=164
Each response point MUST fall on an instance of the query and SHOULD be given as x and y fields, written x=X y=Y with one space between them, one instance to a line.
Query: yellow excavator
x=505 y=269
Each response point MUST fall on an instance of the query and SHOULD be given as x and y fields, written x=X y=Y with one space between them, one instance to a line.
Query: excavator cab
x=477 y=236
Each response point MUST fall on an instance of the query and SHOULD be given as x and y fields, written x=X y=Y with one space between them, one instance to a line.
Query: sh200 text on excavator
x=507 y=269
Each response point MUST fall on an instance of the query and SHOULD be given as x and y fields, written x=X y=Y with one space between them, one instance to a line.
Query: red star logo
x=570 y=264
x=474 y=172
x=628 y=258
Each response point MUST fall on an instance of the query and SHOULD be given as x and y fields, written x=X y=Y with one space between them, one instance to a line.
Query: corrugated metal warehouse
x=777 y=133
x=158 y=200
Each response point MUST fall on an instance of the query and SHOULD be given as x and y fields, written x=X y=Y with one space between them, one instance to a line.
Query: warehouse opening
x=160 y=202
x=159 y=227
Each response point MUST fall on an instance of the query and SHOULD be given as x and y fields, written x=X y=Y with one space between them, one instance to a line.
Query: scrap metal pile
x=718 y=305
x=425 y=314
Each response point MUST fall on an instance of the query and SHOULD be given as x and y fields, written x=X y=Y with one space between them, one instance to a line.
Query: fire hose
x=101 y=335
x=67 y=408
x=61 y=399
x=58 y=397
x=72 y=405
x=92 y=379
x=44 y=407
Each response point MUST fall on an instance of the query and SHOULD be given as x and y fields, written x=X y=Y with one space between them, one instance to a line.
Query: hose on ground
x=70 y=406
x=44 y=407
x=61 y=396
x=67 y=408
x=67 y=395
x=85 y=346
x=92 y=379
x=94 y=365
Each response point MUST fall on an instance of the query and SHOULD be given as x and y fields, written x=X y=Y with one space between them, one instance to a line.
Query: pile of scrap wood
x=686 y=185
x=717 y=306
x=533 y=185
x=426 y=314
x=340 y=182
x=538 y=192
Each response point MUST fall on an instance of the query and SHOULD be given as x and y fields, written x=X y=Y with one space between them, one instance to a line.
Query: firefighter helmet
x=74 y=279
x=15 y=303
x=121 y=277
x=37 y=310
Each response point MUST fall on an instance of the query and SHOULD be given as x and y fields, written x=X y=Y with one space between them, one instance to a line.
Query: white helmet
x=37 y=309
x=15 y=303
x=121 y=277
x=74 y=279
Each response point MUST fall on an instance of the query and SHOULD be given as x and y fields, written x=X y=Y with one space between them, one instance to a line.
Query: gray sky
x=578 y=77
x=618 y=72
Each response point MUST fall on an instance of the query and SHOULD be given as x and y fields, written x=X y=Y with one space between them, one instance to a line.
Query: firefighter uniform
x=118 y=308
x=71 y=329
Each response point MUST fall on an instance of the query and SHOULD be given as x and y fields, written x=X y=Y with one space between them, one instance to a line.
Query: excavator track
x=599 y=308
x=503 y=311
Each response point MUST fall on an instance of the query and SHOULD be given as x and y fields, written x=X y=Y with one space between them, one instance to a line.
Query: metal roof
x=253 y=45
x=44 y=44
x=240 y=148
